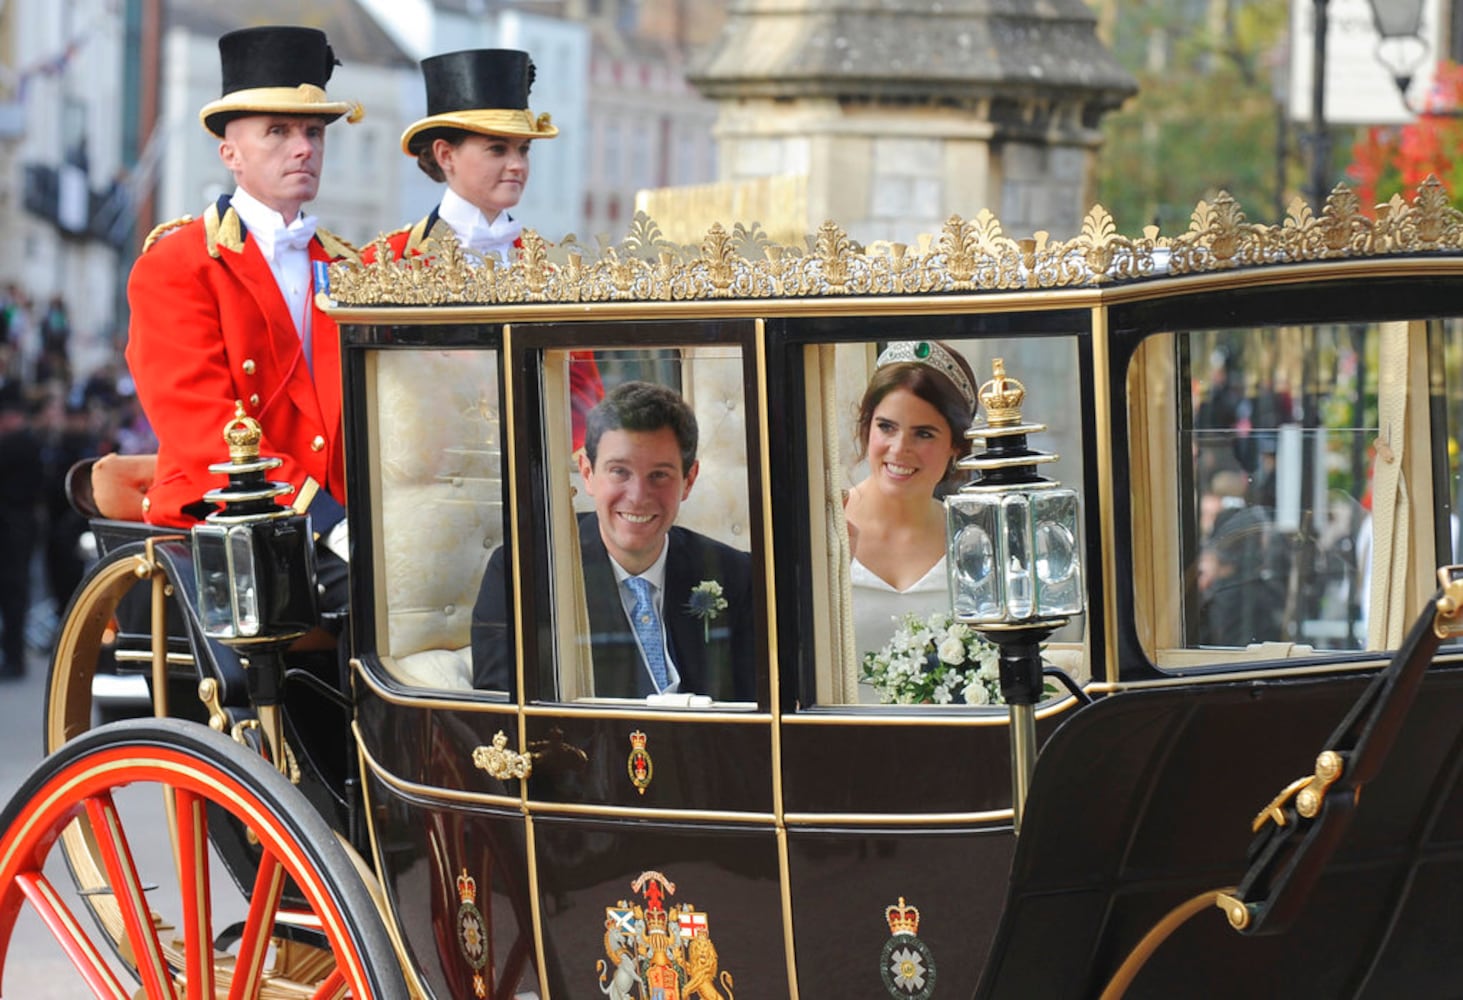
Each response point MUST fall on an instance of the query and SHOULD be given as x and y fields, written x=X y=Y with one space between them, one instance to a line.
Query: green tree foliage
x=1205 y=118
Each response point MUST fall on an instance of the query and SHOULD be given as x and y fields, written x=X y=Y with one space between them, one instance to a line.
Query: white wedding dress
x=877 y=606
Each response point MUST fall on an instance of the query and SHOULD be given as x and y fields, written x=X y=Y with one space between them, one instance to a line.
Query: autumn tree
x=1392 y=159
x=1206 y=117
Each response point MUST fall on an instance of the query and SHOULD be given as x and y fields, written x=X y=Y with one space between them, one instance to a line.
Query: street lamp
x=1400 y=46
x=1015 y=559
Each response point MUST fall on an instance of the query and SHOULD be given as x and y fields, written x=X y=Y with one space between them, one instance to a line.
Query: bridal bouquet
x=934 y=660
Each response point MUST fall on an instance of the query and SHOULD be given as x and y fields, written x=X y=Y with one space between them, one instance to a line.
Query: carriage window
x=650 y=527
x=437 y=469
x=1287 y=453
x=1446 y=355
x=886 y=422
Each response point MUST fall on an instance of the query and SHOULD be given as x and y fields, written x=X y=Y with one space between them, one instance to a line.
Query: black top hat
x=479 y=90
x=275 y=70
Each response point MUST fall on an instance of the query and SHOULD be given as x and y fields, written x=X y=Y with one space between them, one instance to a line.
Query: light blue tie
x=647 y=628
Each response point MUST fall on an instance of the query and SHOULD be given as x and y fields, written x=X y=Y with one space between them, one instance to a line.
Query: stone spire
x=900 y=112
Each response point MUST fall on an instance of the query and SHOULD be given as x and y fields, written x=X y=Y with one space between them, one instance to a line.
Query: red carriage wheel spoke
x=152 y=968
x=216 y=791
x=69 y=933
x=333 y=988
x=254 y=945
x=193 y=882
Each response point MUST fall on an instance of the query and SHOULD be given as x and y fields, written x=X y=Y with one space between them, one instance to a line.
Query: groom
x=657 y=621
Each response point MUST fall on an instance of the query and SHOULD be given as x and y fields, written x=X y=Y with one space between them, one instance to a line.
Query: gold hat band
x=518 y=122
x=305 y=99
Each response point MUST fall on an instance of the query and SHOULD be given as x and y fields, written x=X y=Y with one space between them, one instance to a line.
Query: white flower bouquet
x=934 y=660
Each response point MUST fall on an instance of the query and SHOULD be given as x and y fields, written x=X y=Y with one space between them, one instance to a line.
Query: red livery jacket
x=209 y=327
x=585 y=387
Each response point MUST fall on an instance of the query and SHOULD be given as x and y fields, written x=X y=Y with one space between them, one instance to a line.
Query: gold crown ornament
x=902 y=919
x=467 y=888
x=1002 y=397
x=242 y=435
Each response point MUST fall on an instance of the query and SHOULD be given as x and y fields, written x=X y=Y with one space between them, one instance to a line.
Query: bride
x=911 y=426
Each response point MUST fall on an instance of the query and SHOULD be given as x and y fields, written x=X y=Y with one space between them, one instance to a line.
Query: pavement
x=35 y=968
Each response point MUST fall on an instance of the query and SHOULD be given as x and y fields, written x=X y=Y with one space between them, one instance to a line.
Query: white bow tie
x=296 y=236
x=496 y=237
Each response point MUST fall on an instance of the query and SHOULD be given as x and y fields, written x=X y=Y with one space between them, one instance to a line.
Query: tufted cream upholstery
x=440 y=504
x=711 y=381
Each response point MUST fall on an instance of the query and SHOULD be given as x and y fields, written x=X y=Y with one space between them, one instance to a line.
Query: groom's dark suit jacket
x=721 y=666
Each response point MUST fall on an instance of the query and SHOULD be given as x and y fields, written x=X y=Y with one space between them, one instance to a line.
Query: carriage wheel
x=86 y=629
x=335 y=946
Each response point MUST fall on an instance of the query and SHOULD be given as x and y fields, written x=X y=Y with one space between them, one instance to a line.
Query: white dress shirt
x=286 y=249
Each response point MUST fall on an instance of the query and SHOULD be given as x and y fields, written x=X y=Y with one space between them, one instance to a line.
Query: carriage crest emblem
x=658 y=951
x=639 y=765
x=472 y=931
x=907 y=965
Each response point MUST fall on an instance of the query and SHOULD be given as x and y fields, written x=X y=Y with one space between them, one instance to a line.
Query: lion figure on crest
x=702 y=964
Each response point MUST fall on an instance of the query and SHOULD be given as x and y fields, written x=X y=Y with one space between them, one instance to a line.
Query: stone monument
x=889 y=115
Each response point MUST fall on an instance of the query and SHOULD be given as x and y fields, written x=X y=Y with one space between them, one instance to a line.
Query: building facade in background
x=883 y=116
x=63 y=197
x=100 y=139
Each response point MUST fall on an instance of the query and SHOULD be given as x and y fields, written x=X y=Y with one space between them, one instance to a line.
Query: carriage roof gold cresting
x=965 y=256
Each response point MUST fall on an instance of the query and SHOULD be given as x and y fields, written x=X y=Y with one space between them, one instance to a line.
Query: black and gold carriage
x=1236 y=756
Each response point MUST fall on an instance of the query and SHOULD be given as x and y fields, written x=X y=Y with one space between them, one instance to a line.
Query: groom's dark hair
x=642 y=406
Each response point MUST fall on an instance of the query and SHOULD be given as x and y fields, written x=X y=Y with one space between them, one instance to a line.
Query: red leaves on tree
x=1388 y=159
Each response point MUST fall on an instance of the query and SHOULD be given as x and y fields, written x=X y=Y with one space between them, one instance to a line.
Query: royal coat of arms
x=656 y=951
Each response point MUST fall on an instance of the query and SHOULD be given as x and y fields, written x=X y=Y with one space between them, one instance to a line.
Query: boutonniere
x=706 y=603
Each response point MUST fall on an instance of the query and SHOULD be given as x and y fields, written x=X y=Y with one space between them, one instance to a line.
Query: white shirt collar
x=655 y=574
x=263 y=221
x=472 y=228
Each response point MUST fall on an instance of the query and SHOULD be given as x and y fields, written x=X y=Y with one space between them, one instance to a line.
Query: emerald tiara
x=927 y=352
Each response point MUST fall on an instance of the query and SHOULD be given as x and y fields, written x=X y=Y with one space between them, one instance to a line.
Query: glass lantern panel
x=245 y=588
x=1016 y=555
x=975 y=584
x=211 y=569
x=1058 y=553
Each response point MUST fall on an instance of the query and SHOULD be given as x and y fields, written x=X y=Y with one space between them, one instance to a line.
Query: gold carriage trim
x=965 y=256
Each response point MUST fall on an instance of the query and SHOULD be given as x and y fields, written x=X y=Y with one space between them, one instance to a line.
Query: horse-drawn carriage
x=1261 y=423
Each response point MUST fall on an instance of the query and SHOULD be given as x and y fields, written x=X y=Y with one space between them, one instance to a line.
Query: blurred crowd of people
x=54 y=411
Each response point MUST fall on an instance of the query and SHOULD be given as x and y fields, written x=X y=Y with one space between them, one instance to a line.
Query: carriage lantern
x=1014 y=558
x=254 y=560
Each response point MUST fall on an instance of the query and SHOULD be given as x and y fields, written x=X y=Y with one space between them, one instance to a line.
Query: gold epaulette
x=335 y=246
x=419 y=236
x=162 y=229
x=226 y=231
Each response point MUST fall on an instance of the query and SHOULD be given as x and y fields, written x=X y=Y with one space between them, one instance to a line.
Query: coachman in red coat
x=223 y=306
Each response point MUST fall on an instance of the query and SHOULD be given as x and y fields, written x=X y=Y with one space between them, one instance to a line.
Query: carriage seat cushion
x=441 y=500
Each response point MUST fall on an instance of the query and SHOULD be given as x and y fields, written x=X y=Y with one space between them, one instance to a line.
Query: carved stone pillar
x=900 y=112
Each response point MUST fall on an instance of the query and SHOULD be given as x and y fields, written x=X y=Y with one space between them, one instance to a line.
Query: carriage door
x=645 y=701
x=896 y=773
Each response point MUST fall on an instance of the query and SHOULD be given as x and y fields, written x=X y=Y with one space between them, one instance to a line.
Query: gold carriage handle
x=502 y=763
x=553 y=756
